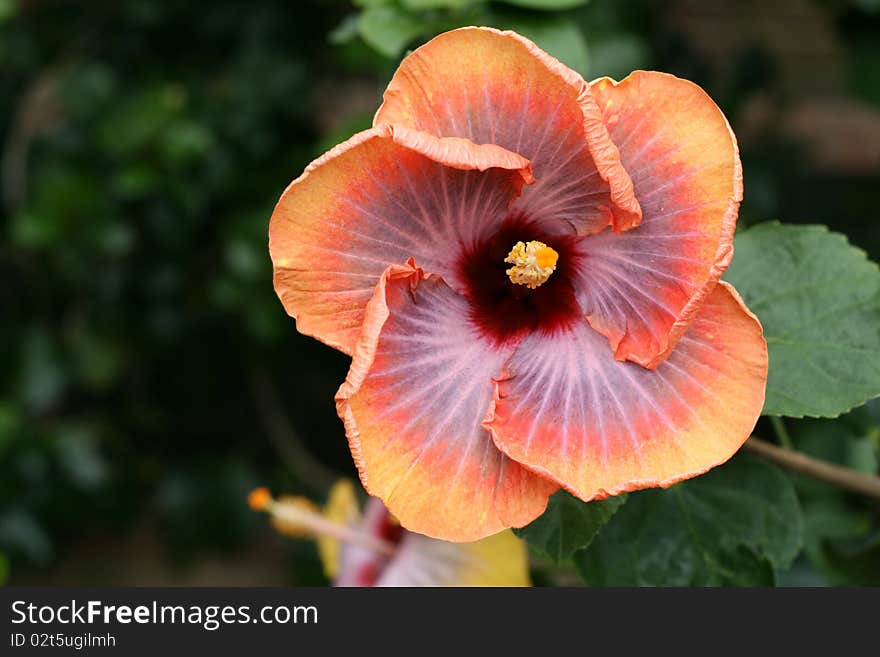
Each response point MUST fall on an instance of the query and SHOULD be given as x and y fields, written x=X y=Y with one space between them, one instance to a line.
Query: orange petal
x=386 y=194
x=499 y=88
x=601 y=427
x=417 y=391
x=641 y=288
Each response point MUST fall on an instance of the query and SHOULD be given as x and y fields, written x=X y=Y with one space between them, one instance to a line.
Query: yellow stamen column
x=533 y=262
x=298 y=517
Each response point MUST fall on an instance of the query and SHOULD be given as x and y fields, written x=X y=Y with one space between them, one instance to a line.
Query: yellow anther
x=546 y=257
x=533 y=262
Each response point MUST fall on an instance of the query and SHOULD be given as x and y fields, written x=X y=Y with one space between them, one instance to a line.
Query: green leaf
x=547 y=5
x=561 y=37
x=568 y=525
x=43 y=376
x=78 y=450
x=134 y=125
x=818 y=299
x=7 y=10
x=737 y=525
x=346 y=30
x=846 y=440
x=831 y=514
x=830 y=518
x=387 y=29
x=854 y=561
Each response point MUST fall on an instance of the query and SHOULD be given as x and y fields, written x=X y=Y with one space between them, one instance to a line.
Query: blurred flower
x=479 y=250
x=372 y=549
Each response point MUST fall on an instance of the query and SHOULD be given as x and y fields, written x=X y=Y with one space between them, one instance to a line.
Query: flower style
x=525 y=270
x=372 y=549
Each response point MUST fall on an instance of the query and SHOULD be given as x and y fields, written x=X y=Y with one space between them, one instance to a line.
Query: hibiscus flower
x=372 y=549
x=525 y=270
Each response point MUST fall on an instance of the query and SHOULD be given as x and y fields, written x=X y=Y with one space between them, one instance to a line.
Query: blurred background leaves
x=150 y=376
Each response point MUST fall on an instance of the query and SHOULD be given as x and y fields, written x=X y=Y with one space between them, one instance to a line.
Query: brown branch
x=281 y=433
x=830 y=473
x=38 y=110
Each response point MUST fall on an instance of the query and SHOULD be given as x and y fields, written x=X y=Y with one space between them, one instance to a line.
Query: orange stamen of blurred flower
x=259 y=498
x=298 y=517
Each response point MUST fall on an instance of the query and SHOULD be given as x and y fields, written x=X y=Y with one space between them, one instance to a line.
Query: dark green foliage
x=568 y=525
x=137 y=296
x=736 y=525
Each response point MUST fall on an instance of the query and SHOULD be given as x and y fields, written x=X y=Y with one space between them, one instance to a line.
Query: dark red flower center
x=388 y=530
x=504 y=311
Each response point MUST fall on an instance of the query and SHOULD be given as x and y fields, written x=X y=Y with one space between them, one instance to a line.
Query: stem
x=781 y=432
x=830 y=473
x=321 y=526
